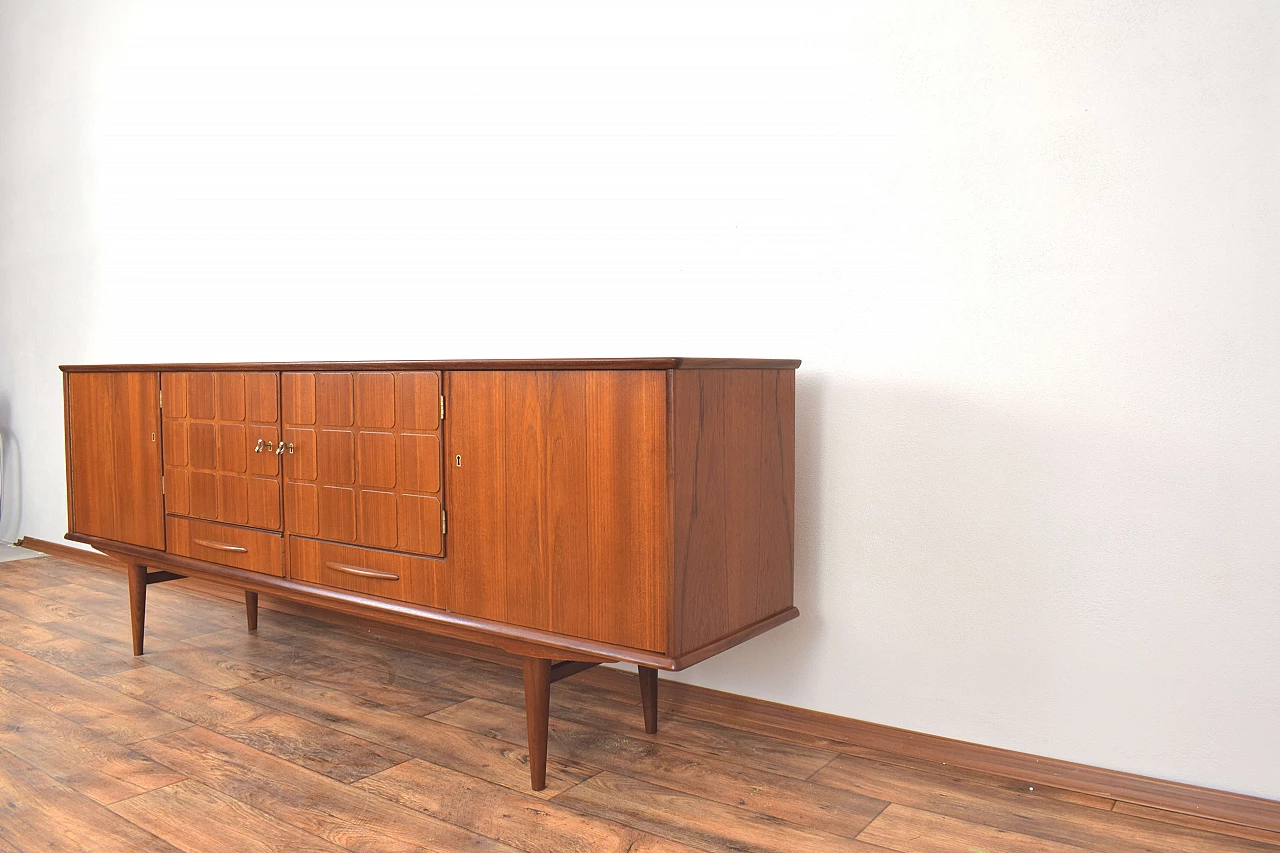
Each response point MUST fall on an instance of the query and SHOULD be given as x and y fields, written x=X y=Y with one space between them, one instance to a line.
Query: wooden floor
x=311 y=737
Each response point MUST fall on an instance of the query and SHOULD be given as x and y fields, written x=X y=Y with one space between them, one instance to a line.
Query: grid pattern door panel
x=220 y=435
x=365 y=460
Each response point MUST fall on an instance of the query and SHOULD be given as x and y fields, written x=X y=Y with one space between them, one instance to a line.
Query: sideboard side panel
x=778 y=490
x=114 y=463
x=733 y=502
x=701 y=561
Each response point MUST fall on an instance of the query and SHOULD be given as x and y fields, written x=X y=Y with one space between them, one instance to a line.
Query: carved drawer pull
x=364 y=573
x=221 y=546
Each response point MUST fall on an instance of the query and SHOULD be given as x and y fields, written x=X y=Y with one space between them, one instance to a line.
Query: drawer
x=386 y=574
x=239 y=547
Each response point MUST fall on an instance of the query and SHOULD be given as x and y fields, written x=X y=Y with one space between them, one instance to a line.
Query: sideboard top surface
x=476 y=364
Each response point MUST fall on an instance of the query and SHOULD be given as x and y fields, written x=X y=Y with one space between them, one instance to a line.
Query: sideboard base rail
x=540 y=672
x=521 y=641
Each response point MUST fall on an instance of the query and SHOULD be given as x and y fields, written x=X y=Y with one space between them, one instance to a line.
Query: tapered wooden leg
x=537 y=705
x=649 y=698
x=137 y=603
x=251 y=609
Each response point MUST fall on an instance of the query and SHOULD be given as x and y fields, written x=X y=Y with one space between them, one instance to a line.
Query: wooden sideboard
x=569 y=512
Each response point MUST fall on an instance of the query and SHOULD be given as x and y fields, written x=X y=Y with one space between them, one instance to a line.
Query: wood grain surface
x=649 y=509
x=319 y=736
x=113 y=445
x=241 y=547
x=404 y=577
x=363 y=458
x=215 y=466
x=470 y=364
x=733 y=437
x=557 y=484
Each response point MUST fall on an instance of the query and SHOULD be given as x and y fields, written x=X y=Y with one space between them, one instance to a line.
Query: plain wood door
x=558 y=501
x=221 y=433
x=365 y=458
x=113 y=466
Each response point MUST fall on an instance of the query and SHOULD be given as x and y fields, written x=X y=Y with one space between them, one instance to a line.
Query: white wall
x=1027 y=251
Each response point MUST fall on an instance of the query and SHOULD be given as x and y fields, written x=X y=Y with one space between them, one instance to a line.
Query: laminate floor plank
x=164 y=619
x=580 y=704
x=213 y=670
x=353 y=816
x=35 y=607
x=106 y=628
x=19 y=633
x=306 y=743
x=217 y=671
x=163 y=650
x=308 y=621
x=397 y=664
x=80 y=700
x=69 y=653
x=168 y=599
x=1052 y=820
x=910 y=830
x=44 y=571
x=71 y=571
x=710 y=826
x=738 y=712
x=822 y=732
x=780 y=797
x=307 y=735
x=15 y=574
x=37 y=812
x=76 y=656
x=1218 y=827
x=522 y=820
x=86 y=762
x=619 y=687
x=198 y=819
x=504 y=762
x=978 y=777
x=108 y=614
x=110 y=634
x=374 y=683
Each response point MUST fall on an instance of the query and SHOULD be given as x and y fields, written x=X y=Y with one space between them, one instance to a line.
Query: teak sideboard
x=569 y=512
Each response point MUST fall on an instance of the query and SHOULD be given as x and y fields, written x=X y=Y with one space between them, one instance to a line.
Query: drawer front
x=386 y=574
x=252 y=550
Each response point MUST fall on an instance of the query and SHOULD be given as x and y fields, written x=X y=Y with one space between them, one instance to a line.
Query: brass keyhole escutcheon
x=457 y=460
